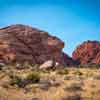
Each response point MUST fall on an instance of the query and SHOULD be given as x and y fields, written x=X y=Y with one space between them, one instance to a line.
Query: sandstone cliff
x=23 y=43
x=87 y=52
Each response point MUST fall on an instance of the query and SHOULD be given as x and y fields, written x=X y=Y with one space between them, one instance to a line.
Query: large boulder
x=87 y=53
x=49 y=64
x=23 y=43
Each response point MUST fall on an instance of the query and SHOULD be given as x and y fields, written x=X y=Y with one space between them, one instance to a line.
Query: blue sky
x=73 y=21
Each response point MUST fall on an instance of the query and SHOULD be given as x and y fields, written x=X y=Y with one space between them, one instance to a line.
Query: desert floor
x=63 y=84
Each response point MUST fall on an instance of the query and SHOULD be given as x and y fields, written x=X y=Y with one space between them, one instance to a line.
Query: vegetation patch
x=63 y=72
x=34 y=77
x=74 y=87
x=73 y=97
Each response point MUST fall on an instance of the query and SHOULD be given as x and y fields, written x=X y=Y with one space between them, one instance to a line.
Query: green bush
x=16 y=81
x=34 y=77
x=78 y=72
x=63 y=72
x=96 y=66
x=20 y=82
x=81 y=66
x=34 y=65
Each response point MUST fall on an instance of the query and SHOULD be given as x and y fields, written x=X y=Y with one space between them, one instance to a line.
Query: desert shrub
x=35 y=67
x=89 y=74
x=97 y=77
x=96 y=66
x=2 y=65
x=23 y=65
x=45 y=85
x=81 y=66
x=74 y=87
x=20 y=82
x=89 y=65
x=45 y=71
x=67 y=78
x=34 y=77
x=16 y=81
x=63 y=72
x=73 y=97
x=78 y=72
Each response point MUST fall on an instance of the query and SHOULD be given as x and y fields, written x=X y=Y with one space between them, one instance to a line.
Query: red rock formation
x=97 y=58
x=24 y=43
x=87 y=52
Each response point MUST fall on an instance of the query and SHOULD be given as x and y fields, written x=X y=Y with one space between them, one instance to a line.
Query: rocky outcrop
x=23 y=43
x=48 y=65
x=87 y=52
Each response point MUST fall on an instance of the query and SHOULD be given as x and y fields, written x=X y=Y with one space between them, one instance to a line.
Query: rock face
x=23 y=43
x=87 y=52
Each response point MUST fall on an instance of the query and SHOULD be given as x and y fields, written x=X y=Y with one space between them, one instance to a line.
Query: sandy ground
x=89 y=85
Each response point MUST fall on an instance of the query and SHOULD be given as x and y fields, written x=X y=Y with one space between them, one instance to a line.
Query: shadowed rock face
x=23 y=43
x=88 y=52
